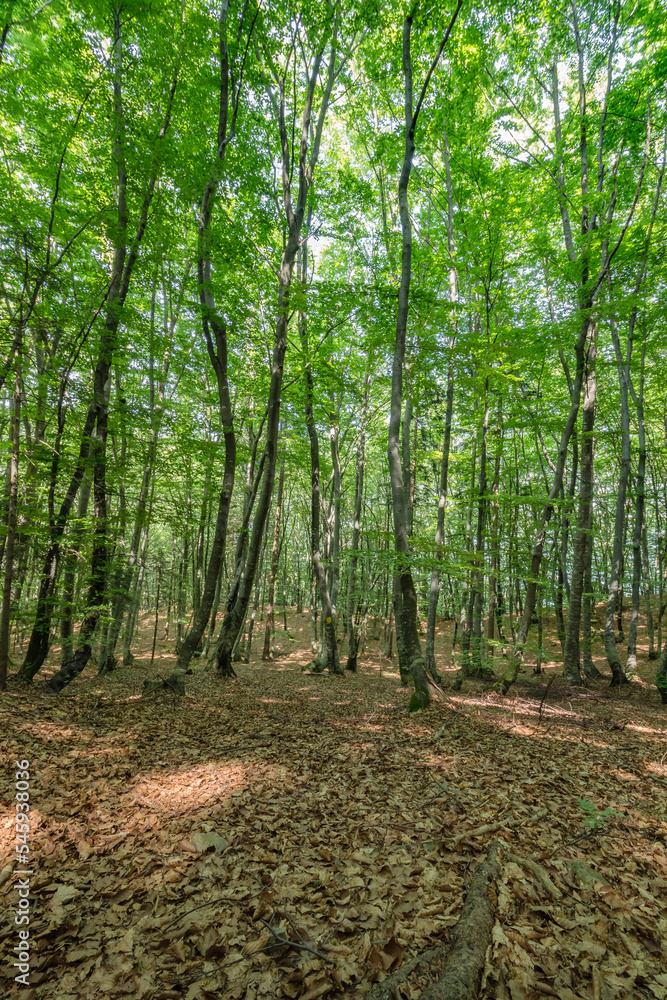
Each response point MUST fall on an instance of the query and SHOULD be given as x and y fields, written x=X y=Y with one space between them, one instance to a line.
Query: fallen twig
x=182 y=916
x=498 y=825
x=287 y=943
x=537 y=870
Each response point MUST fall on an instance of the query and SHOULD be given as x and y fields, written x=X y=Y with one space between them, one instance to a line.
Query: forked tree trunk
x=294 y=215
x=408 y=595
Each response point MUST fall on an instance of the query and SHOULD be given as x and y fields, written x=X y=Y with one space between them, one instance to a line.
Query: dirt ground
x=285 y=834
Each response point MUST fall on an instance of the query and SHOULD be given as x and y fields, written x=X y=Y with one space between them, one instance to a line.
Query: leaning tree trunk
x=495 y=533
x=479 y=667
x=73 y=550
x=650 y=627
x=516 y=659
x=122 y=269
x=434 y=591
x=38 y=645
x=330 y=656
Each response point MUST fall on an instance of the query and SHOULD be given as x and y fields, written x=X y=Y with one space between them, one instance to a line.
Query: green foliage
x=595 y=818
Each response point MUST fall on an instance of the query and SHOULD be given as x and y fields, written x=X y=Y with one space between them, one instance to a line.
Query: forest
x=333 y=532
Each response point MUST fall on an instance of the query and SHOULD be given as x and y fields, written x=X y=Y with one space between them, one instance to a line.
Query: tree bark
x=12 y=510
x=294 y=215
x=408 y=595
x=434 y=591
x=352 y=600
x=121 y=274
x=273 y=571
x=571 y=669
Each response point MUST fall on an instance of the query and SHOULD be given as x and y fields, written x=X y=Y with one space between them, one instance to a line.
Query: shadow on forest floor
x=175 y=839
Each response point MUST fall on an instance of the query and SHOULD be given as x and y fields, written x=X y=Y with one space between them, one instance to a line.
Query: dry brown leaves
x=287 y=835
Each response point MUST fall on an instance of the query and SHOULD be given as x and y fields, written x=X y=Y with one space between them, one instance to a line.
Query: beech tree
x=333 y=309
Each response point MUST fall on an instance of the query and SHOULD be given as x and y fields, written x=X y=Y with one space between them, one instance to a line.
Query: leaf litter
x=290 y=835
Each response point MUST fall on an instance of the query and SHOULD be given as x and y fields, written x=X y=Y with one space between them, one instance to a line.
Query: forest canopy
x=338 y=306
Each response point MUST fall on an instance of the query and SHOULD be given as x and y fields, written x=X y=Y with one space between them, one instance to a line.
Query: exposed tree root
x=538 y=871
x=386 y=990
x=466 y=951
x=175 y=683
x=462 y=974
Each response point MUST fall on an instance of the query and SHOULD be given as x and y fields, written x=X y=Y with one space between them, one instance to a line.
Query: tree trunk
x=12 y=509
x=571 y=670
x=640 y=502
x=275 y=558
x=434 y=591
x=78 y=530
x=588 y=605
x=352 y=600
x=294 y=215
x=121 y=274
x=409 y=609
x=617 y=671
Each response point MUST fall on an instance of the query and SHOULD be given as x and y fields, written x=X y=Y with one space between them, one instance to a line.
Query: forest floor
x=284 y=834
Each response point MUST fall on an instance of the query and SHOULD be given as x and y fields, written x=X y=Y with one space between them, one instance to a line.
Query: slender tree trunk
x=434 y=591
x=588 y=605
x=639 y=529
x=275 y=557
x=495 y=535
x=409 y=608
x=478 y=666
x=78 y=531
x=618 y=673
x=294 y=214
x=352 y=601
x=571 y=669
x=516 y=658
x=648 y=594
x=334 y=435
x=12 y=510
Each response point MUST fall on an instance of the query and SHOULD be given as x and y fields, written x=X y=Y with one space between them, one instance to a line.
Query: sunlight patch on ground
x=8 y=831
x=625 y=775
x=659 y=769
x=57 y=734
x=186 y=791
x=646 y=729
